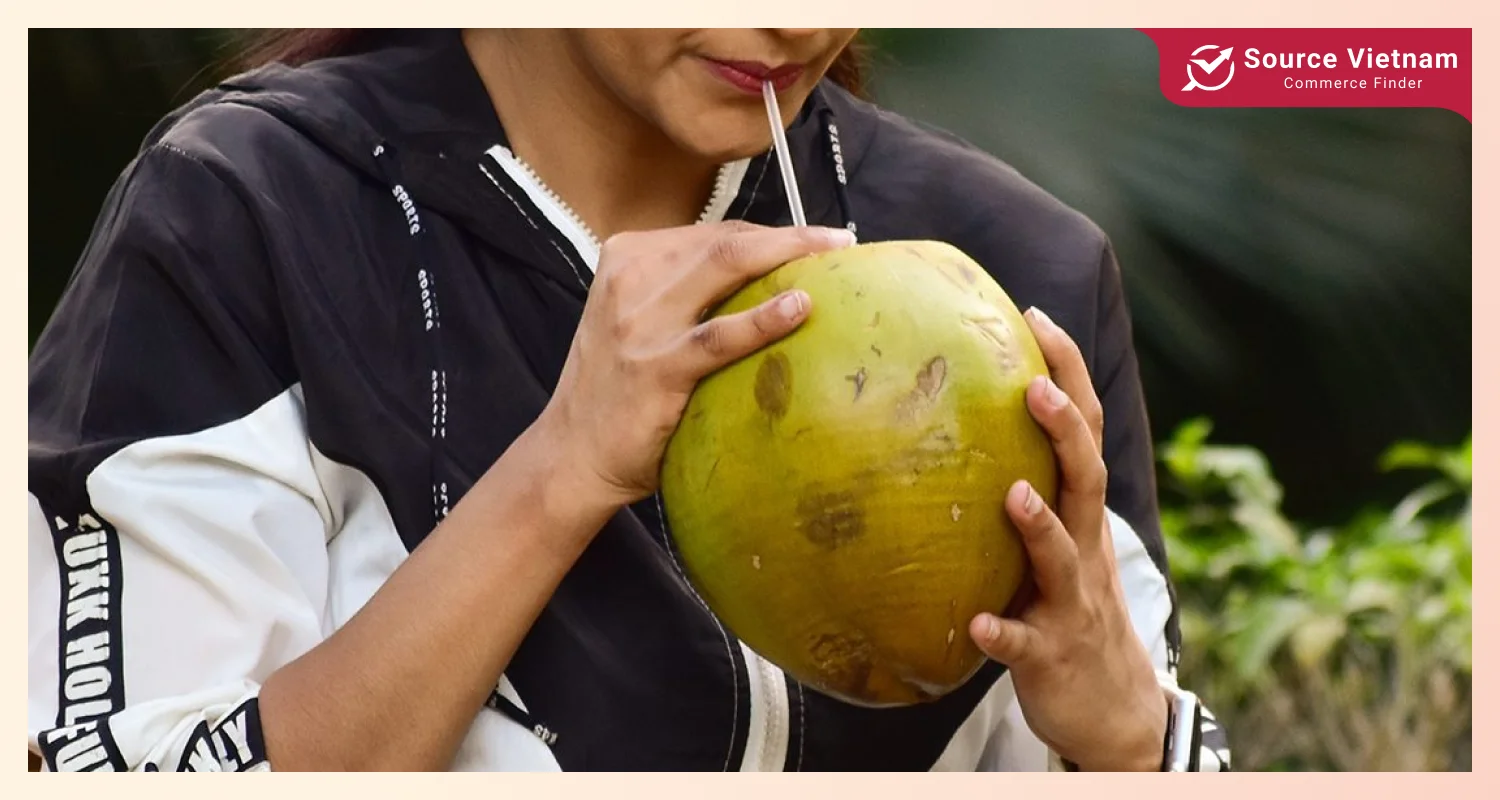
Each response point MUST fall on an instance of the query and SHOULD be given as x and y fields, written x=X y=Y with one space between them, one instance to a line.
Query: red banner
x=1317 y=67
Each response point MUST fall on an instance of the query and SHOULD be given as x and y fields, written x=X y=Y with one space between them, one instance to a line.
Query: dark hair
x=297 y=46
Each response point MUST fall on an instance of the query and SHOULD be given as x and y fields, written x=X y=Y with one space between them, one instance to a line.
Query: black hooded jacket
x=318 y=305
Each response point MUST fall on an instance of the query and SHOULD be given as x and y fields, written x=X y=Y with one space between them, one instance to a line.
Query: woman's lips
x=747 y=76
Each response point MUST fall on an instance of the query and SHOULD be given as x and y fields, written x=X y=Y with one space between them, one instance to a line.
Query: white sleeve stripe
x=235 y=744
x=90 y=660
x=223 y=535
x=88 y=746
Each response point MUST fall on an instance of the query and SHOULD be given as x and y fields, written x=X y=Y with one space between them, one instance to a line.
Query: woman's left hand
x=1084 y=680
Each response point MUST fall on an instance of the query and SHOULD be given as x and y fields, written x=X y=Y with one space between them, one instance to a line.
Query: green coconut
x=837 y=498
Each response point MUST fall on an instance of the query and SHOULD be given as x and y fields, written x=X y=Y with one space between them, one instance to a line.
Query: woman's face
x=702 y=87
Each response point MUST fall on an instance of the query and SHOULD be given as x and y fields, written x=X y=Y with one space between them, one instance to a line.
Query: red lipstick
x=747 y=76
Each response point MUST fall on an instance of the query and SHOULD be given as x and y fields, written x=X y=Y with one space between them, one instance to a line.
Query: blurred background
x=1300 y=281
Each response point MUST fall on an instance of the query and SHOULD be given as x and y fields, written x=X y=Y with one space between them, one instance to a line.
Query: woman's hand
x=642 y=344
x=1083 y=678
x=451 y=618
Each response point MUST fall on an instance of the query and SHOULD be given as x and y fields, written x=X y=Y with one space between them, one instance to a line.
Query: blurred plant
x=1346 y=648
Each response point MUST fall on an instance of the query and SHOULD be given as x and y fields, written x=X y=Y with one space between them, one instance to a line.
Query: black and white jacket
x=322 y=301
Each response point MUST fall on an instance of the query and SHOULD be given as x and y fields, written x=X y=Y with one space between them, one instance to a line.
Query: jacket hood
x=414 y=114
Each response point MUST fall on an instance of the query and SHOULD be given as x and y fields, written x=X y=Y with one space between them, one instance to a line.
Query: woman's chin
x=722 y=150
x=722 y=135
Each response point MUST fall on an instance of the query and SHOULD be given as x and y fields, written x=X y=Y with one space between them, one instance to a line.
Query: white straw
x=778 y=136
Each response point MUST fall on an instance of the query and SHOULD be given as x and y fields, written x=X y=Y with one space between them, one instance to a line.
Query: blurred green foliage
x=1344 y=647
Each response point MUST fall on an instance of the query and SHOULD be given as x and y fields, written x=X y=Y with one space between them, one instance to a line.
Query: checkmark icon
x=1209 y=66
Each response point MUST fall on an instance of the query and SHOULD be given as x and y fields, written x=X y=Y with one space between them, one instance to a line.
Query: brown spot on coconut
x=858 y=379
x=773 y=385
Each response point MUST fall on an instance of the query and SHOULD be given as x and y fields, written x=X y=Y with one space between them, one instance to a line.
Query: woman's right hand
x=643 y=344
x=640 y=349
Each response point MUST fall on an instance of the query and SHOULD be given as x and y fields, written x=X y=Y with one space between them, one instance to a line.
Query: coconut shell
x=837 y=498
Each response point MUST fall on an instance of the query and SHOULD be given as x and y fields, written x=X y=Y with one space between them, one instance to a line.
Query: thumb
x=1008 y=641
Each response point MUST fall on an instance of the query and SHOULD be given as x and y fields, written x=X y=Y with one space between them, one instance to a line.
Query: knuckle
x=1011 y=645
x=1069 y=563
x=616 y=245
x=1095 y=478
x=736 y=226
x=1094 y=616
x=1080 y=427
x=633 y=363
x=624 y=326
x=668 y=259
x=1059 y=543
x=610 y=276
x=1090 y=410
x=766 y=320
x=1063 y=340
x=623 y=283
x=1073 y=349
x=1025 y=647
x=1095 y=416
x=813 y=238
x=604 y=276
x=710 y=338
x=727 y=251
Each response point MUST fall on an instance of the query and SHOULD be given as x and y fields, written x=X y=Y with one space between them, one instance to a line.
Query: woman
x=345 y=438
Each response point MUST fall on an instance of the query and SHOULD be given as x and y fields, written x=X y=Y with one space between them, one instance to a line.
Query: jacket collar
x=418 y=94
x=439 y=101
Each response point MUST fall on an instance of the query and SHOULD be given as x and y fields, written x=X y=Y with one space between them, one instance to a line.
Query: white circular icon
x=1208 y=67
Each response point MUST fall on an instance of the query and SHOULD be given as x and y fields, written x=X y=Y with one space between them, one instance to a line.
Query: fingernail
x=989 y=626
x=790 y=305
x=1055 y=396
x=1033 y=502
x=1020 y=492
x=839 y=237
x=1040 y=316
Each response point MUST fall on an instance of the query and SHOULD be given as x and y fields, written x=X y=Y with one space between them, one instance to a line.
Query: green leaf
x=1245 y=471
x=1266 y=629
x=1412 y=506
x=1432 y=610
x=1456 y=463
x=1399 y=562
x=1180 y=454
x=1318 y=546
x=1311 y=641
x=1410 y=455
x=1271 y=531
x=1371 y=593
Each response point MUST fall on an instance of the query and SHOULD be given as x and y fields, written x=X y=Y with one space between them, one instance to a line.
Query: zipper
x=769 y=728
x=571 y=225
